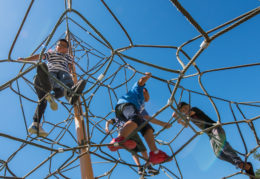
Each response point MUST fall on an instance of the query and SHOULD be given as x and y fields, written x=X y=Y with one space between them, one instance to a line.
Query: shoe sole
x=53 y=104
x=78 y=90
x=153 y=172
x=143 y=174
x=129 y=144
x=33 y=131
x=163 y=161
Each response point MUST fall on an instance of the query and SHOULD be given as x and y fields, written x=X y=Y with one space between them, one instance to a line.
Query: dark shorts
x=128 y=111
x=44 y=82
x=140 y=147
x=64 y=77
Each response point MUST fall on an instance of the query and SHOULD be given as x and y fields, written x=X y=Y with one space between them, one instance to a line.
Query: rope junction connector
x=204 y=44
x=101 y=76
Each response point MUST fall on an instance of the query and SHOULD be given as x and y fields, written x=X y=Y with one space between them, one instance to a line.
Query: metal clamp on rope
x=101 y=76
x=69 y=5
x=204 y=44
x=169 y=102
x=130 y=68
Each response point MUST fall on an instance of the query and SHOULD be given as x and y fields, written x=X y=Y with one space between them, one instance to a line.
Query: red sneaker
x=129 y=144
x=158 y=158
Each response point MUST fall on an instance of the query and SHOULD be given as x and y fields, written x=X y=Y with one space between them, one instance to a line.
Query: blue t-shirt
x=135 y=96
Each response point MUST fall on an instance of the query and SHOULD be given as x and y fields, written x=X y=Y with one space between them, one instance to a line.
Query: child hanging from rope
x=140 y=147
x=220 y=145
x=128 y=110
x=59 y=66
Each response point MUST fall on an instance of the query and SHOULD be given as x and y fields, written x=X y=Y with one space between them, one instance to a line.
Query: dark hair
x=64 y=40
x=181 y=104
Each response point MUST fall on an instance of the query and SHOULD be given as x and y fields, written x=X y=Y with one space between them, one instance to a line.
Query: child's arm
x=70 y=68
x=31 y=58
x=144 y=79
x=158 y=122
x=179 y=119
x=192 y=113
x=107 y=125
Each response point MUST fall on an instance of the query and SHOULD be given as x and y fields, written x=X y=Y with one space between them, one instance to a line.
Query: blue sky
x=148 y=22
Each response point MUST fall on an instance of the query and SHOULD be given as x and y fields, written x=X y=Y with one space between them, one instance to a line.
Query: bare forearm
x=144 y=79
x=182 y=123
x=31 y=58
x=158 y=122
x=179 y=119
x=107 y=127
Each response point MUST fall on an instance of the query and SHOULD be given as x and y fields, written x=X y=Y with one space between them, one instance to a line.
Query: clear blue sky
x=148 y=22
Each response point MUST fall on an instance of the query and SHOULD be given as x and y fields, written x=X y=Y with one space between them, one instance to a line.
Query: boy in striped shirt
x=59 y=67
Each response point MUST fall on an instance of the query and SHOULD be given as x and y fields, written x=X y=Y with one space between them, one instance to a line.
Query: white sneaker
x=33 y=129
x=54 y=105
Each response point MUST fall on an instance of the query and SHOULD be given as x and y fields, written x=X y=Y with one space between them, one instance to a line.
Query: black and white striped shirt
x=58 y=61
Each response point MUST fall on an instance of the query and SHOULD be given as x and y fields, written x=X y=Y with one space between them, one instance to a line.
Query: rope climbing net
x=110 y=73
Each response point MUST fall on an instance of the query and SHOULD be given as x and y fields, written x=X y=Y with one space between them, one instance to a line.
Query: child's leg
x=149 y=138
x=230 y=155
x=136 y=159
x=42 y=104
x=131 y=115
x=126 y=113
x=145 y=155
x=65 y=78
x=43 y=77
x=140 y=147
x=128 y=128
x=221 y=147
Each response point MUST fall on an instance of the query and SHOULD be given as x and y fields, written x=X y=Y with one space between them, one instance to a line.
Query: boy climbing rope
x=58 y=66
x=128 y=110
x=140 y=147
x=220 y=145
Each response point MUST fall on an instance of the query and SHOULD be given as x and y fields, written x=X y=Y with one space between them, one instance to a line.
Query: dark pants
x=128 y=111
x=43 y=84
x=222 y=148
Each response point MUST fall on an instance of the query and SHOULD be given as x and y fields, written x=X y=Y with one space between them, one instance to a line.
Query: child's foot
x=33 y=129
x=152 y=170
x=51 y=100
x=159 y=157
x=141 y=171
x=78 y=88
x=129 y=144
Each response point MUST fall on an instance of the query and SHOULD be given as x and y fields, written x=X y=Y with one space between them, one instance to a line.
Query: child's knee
x=132 y=123
x=58 y=92
x=147 y=129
